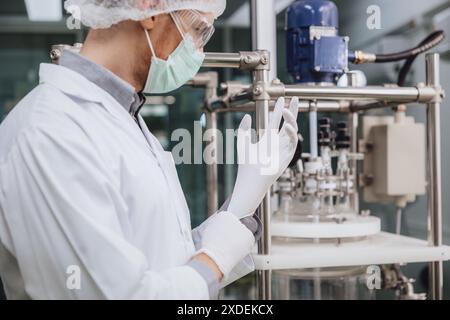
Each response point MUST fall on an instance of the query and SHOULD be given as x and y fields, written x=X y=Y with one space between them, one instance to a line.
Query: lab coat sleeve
x=67 y=219
x=245 y=267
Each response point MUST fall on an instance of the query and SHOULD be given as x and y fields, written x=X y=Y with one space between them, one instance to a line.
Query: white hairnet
x=101 y=14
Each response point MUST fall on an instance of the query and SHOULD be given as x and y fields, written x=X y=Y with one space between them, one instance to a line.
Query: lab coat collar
x=75 y=85
x=119 y=89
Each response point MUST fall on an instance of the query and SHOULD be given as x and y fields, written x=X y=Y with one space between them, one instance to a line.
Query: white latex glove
x=262 y=163
x=226 y=241
x=242 y=269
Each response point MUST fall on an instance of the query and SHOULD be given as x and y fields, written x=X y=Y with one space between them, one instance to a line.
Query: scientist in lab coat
x=90 y=204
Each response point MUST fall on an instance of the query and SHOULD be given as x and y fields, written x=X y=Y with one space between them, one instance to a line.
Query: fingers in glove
x=291 y=132
x=293 y=107
x=246 y=123
x=244 y=139
x=277 y=114
x=244 y=130
x=290 y=119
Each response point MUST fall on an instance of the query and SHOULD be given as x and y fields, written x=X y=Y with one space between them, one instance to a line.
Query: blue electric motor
x=315 y=52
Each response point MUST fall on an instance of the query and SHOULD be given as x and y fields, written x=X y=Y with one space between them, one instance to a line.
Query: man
x=90 y=204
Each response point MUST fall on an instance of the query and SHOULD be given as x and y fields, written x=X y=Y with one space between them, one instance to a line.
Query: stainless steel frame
x=351 y=100
x=259 y=97
x=258 y=62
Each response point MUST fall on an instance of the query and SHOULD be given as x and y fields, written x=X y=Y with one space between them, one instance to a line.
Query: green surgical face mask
x=180 y=67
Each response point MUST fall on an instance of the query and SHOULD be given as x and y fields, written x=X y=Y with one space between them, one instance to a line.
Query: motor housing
x=315 y=51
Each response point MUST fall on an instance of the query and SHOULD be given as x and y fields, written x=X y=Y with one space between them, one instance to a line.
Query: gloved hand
x=226 y=240
x=262 y=163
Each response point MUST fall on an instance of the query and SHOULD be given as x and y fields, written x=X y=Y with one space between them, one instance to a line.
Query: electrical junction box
x=331 y=55
x=394 y=164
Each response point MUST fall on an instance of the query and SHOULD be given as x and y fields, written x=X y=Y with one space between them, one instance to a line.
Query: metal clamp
x=425 y=92
x=267 y=91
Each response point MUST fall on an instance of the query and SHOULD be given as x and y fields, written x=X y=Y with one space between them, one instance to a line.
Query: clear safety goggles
x=195 y=24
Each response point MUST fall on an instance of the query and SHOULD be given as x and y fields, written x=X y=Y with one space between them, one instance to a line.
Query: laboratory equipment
x=319 y=243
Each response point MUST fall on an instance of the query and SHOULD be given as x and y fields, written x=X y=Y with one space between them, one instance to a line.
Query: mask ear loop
x=150 y=43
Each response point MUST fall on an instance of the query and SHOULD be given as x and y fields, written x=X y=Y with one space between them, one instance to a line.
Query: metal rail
x=400 y=94
x=434 y=174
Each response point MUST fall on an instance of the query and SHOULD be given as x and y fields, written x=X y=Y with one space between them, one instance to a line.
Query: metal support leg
x=210 y=81
x=353 y=123
x=229 y=170
x=264 y=278
x=264 y=30
x=264 y=38
x=353 y=126
x=434 y=173
x=212 y=168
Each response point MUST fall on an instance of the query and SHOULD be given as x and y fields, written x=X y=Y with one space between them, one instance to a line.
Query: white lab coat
x=84 y=189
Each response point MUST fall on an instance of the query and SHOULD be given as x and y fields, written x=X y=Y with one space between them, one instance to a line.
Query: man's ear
x=148 y=23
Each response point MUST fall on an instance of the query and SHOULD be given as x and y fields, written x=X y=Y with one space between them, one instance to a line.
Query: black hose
x=405 y=70
x=433 y=40
x=439 y=35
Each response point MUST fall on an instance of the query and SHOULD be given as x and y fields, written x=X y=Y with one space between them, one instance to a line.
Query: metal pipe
x=313 y=134
x=229 y=170
x=353 y=123
x=342 y=106
x=398 y=222
x=361 y=106
x=304 y=106
x=264 y=38
x=346 y=99
x=403 y=94
x=235 y=86
x=264 y=210
x=245 y=108
x=209 y=81
x=434 y=174
x=353 y=126
x=222 y=60
x=241 y=98
x=249 y=60
x=264 y=30
x=212 y=168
